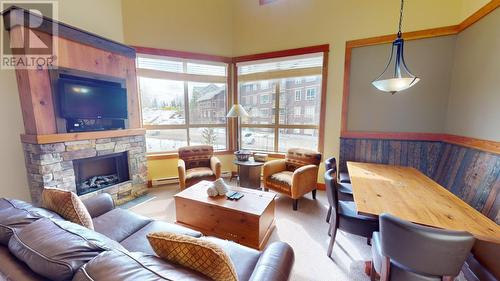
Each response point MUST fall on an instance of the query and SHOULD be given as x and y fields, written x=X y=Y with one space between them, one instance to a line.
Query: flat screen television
x=81 y=99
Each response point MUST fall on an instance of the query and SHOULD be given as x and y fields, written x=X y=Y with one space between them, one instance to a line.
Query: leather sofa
x=37 y=244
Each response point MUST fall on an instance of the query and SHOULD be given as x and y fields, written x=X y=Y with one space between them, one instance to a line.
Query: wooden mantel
x=55 y=138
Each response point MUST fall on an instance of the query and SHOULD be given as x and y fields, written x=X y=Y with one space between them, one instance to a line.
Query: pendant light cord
x=400 y=18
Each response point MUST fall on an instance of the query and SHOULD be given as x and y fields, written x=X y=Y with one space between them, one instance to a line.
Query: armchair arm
x=181 y=168
x=273 y=167
x=275 y=263
x=304 y=180
x=215 y=165
x=99 y=204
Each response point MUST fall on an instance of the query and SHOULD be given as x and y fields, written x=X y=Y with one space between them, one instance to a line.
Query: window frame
x=186 y=78
x=277 y=126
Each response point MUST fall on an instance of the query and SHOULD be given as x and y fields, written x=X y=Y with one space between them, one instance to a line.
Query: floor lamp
x=237 y=111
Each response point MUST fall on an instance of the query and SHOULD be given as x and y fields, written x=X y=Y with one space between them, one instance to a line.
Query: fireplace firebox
x=95 y=173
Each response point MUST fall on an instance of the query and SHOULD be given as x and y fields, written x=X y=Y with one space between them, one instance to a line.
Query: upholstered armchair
x=197 y=163
x=295 y=175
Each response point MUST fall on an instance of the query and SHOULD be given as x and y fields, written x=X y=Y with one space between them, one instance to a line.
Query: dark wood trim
x=484 y=145
x=480 y=144
x=150 y=183
x=284 y=53
x=322 y=114
x=175 y=155
x=392 y=135
x=67 y=31
x=413 y=35
x=181 y=54
x=479 y=14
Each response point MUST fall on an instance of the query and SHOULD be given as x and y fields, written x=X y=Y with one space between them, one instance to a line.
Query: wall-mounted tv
x=83 y=99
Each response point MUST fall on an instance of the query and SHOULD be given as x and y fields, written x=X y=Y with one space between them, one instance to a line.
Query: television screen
x=89 y=100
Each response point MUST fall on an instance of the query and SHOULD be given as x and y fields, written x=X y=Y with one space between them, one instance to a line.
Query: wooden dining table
x=408 y=194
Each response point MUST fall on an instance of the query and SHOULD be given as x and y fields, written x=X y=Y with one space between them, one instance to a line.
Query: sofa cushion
x=13 y=269
x=138 y=242
x=56 y=249
x=68 y=205
x=16 y=214
x=243 y=258
x=122 y=266
x=201 y=255
x=119 y=224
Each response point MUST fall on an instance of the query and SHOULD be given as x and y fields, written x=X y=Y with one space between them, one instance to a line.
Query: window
x=311 y=94
x=184 y=102
x=264 y=99
x=297 y=110
x=293 y=120
x=298 y=95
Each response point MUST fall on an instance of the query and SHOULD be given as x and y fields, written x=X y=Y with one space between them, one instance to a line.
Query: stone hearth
x=51 y=165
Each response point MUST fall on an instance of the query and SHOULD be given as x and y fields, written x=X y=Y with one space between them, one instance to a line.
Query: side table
x=249 y=173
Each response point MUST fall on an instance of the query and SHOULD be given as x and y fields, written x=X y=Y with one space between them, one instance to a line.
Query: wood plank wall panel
x=471 y=174
x=422 y=155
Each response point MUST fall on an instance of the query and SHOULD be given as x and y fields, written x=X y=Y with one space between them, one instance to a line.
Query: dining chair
x=344 y=215
x=343 y=177
x=406 y=251
x=345 y=189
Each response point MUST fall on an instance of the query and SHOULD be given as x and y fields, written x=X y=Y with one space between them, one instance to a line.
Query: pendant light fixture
x=401 y=79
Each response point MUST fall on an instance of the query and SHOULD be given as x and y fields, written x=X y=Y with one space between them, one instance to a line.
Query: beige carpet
x=305 y=230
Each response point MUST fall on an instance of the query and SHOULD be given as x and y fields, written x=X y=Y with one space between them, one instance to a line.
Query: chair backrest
x=331 y=163
x=196 y=156
x=298 y=157
x=424 y=250
x=331 y=188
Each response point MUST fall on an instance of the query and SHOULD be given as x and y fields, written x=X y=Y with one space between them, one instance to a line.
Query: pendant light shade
x=400 y=78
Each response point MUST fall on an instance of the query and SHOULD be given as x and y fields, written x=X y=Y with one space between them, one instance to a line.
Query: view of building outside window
x=182 y=112
x=295 y=88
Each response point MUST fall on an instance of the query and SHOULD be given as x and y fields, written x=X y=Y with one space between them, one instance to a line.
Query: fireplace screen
x=92 y=174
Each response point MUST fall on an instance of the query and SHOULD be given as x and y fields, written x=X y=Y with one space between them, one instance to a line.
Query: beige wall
x=421 y=108
x=474 y=102
x=188 y=25
x=97 y=16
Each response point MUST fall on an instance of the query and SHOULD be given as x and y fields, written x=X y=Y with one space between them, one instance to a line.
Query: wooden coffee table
x=248 y=221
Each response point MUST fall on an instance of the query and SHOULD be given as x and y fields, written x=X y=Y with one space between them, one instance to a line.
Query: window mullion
x=276 y=115
x=186 y=104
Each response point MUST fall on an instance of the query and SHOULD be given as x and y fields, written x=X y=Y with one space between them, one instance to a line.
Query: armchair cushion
x=297 y=157
x=282 y=178
x=196 y=156
x=199 y=172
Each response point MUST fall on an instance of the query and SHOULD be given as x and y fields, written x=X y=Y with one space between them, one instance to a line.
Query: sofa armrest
x=99 y=204
x=215 y=165
x=304 y=180
x=273 y=167
x=275 y=263
x=181 y=168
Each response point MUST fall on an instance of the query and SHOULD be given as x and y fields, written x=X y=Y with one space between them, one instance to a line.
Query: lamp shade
x=395 y=84
x=237 y=111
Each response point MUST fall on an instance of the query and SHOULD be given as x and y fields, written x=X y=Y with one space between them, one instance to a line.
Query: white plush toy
x=211 y=191
x=221 y=186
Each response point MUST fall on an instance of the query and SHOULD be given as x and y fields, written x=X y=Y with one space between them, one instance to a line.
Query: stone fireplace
x=115 y=165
